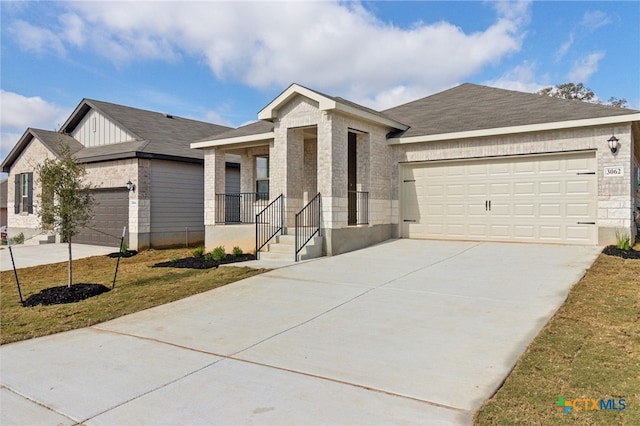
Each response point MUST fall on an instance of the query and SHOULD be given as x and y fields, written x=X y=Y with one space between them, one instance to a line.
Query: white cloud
x=19 y=112
x=595 y=19
x=40 y=40
x=338 y=47
x=585 y=67
x=521 y=78
x=564 y=47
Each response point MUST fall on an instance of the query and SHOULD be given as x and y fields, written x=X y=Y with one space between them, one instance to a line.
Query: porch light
x=130 y=186
x=613 y=144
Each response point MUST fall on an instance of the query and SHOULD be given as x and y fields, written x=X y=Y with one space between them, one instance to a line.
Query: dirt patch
x=65 y=294
x=203 y=262
x=625 y=254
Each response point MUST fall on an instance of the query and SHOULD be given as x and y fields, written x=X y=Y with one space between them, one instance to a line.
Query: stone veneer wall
x=614 y=192
x=34 y=154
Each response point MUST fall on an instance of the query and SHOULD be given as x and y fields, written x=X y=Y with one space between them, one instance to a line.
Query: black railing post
x=267 y=224
x=307 y=224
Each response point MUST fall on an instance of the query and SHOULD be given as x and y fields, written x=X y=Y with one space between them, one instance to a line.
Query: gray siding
x=177 y=197
x=95 y=129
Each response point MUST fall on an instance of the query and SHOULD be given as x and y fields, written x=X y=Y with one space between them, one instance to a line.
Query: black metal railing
x=358 y=208
x=239 y=207
x=307 y=224
x=269 y=221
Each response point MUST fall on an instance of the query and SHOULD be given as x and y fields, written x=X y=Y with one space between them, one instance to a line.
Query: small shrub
x=198 y=252
x=209 y=257
x=18 y=239
x=175 y=260
x=623 y=240
x=237 y=251
x=218 y=253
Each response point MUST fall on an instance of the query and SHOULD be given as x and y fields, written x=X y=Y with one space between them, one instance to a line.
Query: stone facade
x=309 y=154
x=33 y=155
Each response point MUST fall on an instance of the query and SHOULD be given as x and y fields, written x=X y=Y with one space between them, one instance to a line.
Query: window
x=262 y=178
x=24 y=193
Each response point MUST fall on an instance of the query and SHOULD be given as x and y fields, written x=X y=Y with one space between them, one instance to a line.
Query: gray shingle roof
x=51 y=140
x=164 y=136
x=472 y=107
x=255 y=128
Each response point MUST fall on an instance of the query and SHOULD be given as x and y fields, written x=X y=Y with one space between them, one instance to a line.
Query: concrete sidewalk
x=406 y=332
x=34 y=255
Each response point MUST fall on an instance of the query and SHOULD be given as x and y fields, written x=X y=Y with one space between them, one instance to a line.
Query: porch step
x=40 y=239
x=285 y=249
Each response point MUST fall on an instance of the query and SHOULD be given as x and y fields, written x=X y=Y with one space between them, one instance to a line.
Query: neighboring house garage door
x=110 y=215
x=546 y=198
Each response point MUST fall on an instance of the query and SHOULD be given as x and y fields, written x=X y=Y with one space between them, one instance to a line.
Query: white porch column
x=214 y=182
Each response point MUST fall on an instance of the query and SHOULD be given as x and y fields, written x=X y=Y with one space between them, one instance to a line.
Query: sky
x=222 y=62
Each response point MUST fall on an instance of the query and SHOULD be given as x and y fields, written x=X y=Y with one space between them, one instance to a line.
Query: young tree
x=578 y=92
x=66 y=201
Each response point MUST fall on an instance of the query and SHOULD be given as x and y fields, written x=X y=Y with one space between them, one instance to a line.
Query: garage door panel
x=110 y=215
x=526 y=189
x=579 y=210
x=524 y=231
x=527 y=211
x=548 y=210
x=536 y=198
x=550 y=188
x=477 y=189
x=579 y=187
x=549 y=232
x=498 y=189
x=456 y=210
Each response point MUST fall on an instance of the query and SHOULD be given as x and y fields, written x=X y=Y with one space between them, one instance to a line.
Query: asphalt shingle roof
x=156 y=134
x=472 y=107
x=255 y=128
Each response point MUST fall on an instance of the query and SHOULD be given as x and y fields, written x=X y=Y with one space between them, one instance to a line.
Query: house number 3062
x=613 y=171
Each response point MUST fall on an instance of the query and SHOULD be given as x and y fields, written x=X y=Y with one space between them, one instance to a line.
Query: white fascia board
x=269 y=112
x=348 y=109
x=499 y=131
x=261 y=137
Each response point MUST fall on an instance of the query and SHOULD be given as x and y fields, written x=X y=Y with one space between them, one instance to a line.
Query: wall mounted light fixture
x=130 y=186
x=613 y=144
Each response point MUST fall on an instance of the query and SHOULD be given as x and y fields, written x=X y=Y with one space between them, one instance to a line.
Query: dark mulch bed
x=64 y=294
x=202 y=262
x=128 y=253
x=625 y=254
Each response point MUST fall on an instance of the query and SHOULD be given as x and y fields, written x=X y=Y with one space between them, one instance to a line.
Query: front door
x=352 y=180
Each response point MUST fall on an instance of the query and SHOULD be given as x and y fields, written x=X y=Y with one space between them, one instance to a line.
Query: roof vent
x=168 y=115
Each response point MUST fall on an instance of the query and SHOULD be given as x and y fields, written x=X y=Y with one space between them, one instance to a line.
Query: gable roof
x=157 y=135
x=255 y=133
x=327 y=103
x=51 y=140
x=470 y=107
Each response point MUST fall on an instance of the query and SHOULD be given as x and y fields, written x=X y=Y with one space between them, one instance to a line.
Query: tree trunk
x=70 y=265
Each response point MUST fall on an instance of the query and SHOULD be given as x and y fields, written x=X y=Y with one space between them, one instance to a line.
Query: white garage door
x=546 y=198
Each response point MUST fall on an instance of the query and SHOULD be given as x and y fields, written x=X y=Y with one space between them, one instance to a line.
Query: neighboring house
x=3 y=201
x=469 y=163
x=119 y=145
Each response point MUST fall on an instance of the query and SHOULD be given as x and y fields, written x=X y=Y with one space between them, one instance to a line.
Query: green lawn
x=139 y=286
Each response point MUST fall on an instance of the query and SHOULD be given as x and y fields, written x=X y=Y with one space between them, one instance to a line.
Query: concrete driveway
x=26 y=255
x=406 y=332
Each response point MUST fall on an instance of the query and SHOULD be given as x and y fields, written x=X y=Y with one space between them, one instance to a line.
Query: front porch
x=302 y=148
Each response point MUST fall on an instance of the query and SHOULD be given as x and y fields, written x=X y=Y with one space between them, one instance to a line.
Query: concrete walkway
x=406 y=332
